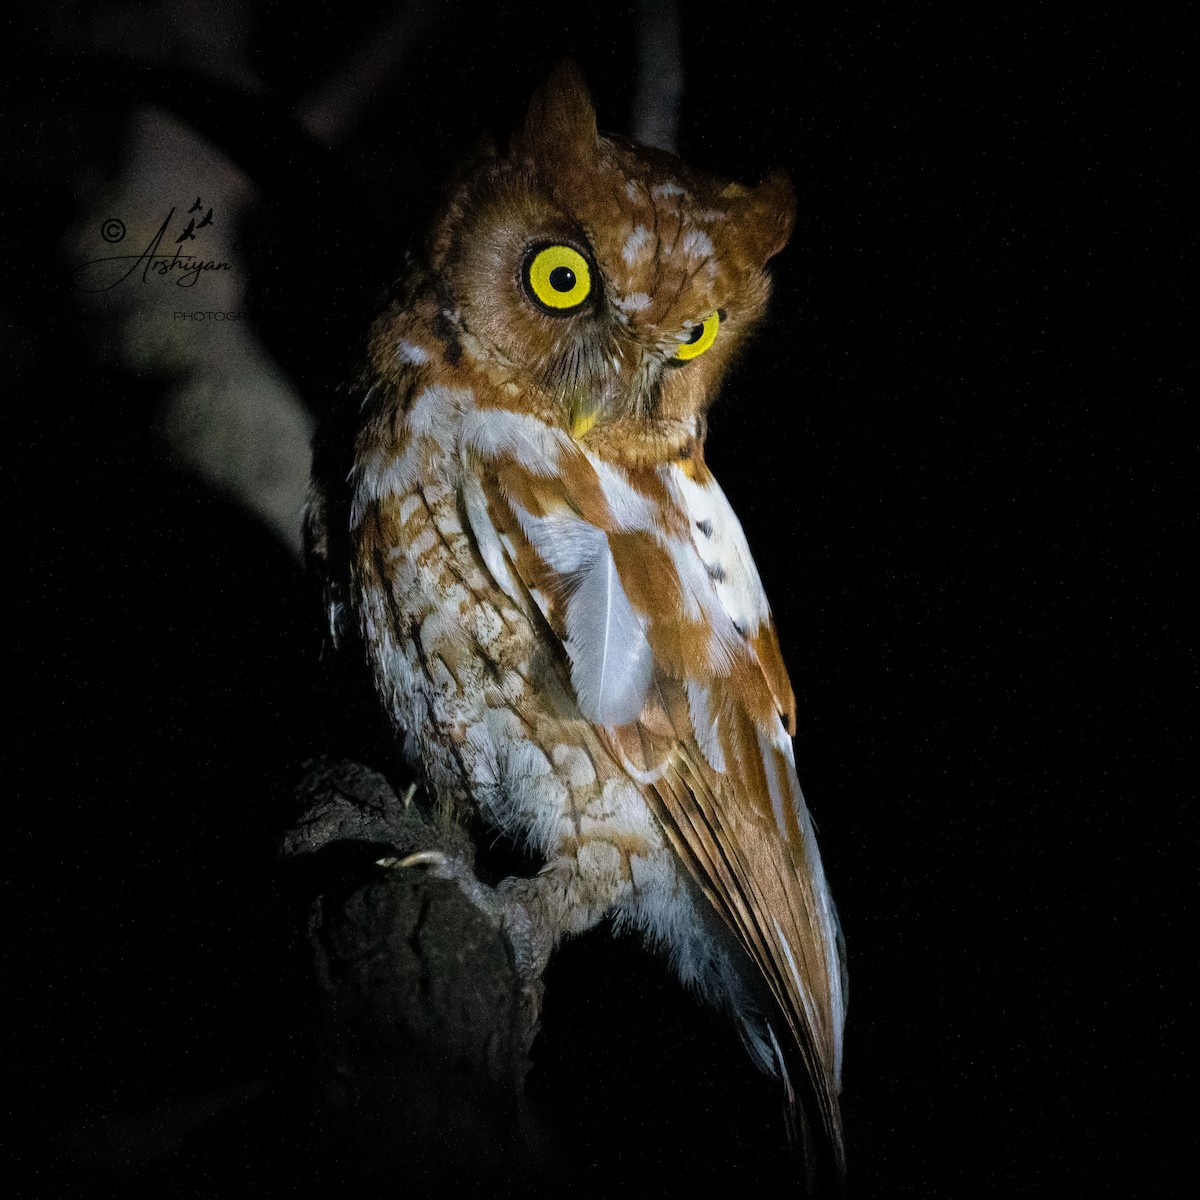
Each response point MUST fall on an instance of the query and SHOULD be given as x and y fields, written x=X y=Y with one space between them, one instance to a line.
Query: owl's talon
x=422 y=858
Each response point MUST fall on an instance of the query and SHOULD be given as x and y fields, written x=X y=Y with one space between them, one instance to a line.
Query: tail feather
x=813 y=1122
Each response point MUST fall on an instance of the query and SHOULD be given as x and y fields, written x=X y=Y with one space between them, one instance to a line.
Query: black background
x=958 y=450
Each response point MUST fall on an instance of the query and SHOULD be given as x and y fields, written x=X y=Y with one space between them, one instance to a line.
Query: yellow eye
x=702 y=336
x=558 y=278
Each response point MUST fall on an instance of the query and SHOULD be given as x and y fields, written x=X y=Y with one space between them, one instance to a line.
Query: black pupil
x=562 y=279
x=697 y=334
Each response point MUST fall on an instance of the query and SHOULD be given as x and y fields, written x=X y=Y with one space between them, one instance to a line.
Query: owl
x=558 y=605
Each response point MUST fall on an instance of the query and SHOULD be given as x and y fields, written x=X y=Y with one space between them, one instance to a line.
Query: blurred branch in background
x=228 y=413
x=660 y=77
x=232 y=412
x=360 y=79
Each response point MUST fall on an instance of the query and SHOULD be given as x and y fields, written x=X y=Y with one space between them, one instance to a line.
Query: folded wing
x=647 y=581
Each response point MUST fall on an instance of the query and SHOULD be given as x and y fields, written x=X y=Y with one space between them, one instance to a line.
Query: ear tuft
x=773 y=213
x=561 y=119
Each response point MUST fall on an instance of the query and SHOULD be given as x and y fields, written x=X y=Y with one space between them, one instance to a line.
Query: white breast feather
x=491 y=432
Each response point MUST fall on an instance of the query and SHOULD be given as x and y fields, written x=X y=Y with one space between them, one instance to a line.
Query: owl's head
x=606 y=282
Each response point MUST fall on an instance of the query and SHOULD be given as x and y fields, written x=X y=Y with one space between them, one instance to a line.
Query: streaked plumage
x=558 y=604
